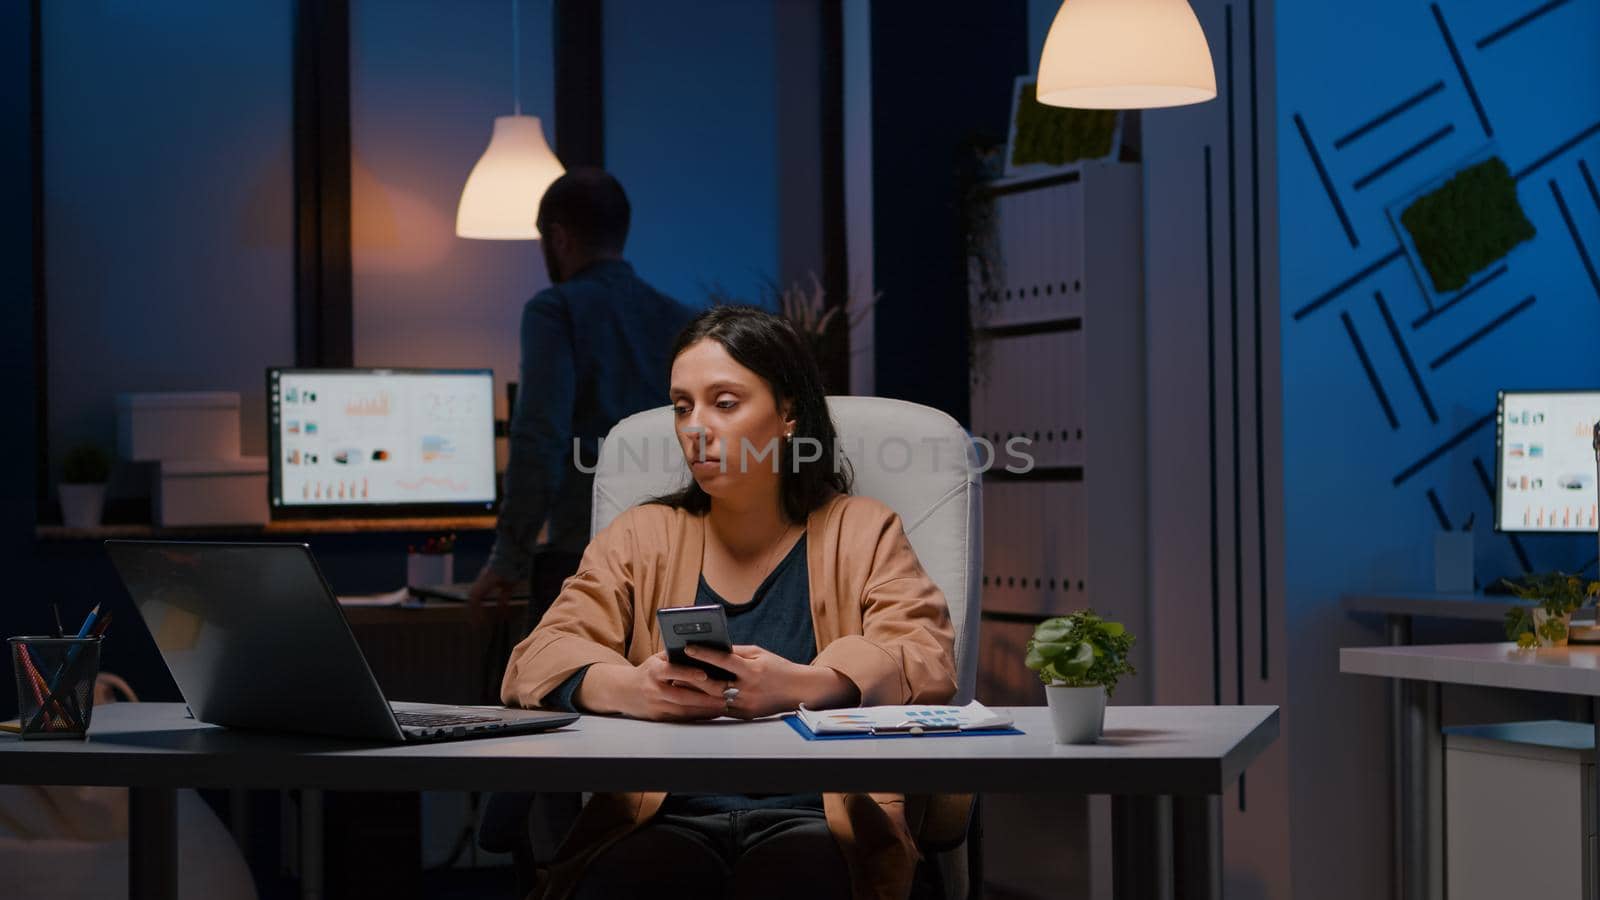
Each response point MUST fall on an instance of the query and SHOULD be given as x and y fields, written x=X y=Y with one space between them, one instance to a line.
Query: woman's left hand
x=767 y=683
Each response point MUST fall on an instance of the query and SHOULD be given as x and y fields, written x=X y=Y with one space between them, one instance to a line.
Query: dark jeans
x=771 y=854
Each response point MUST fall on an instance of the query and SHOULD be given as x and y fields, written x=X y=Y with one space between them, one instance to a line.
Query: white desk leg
x=1197 y=847
x=311 y=846
x=153 y=843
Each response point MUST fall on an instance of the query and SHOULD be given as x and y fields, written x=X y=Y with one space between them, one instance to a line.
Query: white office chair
x=915 y=459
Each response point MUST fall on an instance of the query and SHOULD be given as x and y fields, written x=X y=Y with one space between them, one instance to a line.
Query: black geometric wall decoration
x=1372 y=375
x=1405 y=356
x=1517 y=23
x=1450 y=443
x=1387 y=115
x=1404 y=155
x=1481 y=333
x=1327 y=183
x=1461 y=69
x=1577 y=239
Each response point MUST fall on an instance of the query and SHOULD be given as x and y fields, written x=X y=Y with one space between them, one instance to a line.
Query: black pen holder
x=55 y=685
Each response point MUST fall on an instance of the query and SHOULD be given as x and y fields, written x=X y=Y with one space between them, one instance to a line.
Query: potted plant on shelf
x=1558 y=595
x=84 y=472
x=1079 y=658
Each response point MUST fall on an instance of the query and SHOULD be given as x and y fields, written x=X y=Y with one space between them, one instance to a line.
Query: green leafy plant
x=1467 y=223
x=1558 y=594
x=1080 y=650
x=1055 y=135
x=86 y=464
x=823 y=322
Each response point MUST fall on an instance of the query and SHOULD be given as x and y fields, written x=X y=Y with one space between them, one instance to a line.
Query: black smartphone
x=684 y=625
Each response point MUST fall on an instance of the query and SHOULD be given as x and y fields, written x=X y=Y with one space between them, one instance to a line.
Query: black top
x=596 y=348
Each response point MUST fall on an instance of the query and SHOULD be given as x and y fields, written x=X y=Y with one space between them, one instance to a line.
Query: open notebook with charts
x=901 y=721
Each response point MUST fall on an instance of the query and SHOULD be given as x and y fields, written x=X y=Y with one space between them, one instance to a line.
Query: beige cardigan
x=879 y=620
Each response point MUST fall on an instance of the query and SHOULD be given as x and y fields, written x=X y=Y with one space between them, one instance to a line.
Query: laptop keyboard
x=435 y=720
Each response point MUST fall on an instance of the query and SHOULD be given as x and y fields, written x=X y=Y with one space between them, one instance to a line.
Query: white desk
x=1565 y=670
x=1555 y=670
x=1415 y=749
x=1190 y=754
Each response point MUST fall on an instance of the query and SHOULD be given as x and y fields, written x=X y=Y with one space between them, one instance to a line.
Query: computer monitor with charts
x=1545 y=472
x=380 y=442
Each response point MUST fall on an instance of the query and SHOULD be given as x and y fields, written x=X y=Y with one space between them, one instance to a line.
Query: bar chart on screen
x=369 y=437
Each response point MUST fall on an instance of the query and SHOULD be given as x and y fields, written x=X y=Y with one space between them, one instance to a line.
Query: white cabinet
x=1058 y=358
x=1519 y=811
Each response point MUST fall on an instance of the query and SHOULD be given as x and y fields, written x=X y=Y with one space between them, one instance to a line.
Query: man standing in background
x=595 y=348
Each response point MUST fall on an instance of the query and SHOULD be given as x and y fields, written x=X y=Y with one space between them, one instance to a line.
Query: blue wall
x=691 y=131
x=168 y=200
x=1366 y=489
x=941 y=84
x=427 y=80
x=1358 y=503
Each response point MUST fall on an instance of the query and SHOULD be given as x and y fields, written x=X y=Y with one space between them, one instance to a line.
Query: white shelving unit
x=1059 y=358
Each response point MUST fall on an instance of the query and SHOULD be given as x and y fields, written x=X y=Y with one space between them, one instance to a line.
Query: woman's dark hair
x=770 y=347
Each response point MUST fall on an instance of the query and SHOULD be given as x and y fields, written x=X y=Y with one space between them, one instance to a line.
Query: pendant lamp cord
x=516 y=59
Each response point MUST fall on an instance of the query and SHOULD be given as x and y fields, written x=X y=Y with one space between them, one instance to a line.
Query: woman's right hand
x=655 y=690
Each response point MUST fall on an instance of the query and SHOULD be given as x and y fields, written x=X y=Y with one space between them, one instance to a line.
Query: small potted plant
x=1547 y=624
x=84 y=472
x=1079 y=658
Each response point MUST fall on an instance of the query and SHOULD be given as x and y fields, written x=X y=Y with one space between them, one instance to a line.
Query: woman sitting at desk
x=827 y=605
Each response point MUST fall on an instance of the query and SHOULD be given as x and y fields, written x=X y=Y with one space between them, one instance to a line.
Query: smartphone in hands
x=703 y=625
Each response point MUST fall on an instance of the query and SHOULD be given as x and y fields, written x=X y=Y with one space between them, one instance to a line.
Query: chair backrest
x=915 y=459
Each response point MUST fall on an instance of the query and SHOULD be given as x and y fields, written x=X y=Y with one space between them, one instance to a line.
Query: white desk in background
x=1415 y=748
x=1573 y=671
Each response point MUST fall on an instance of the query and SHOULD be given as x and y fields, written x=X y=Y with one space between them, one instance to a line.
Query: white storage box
x=203 y=425
x=212 y=492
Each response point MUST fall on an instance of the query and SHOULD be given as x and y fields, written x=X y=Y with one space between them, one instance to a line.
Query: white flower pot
x=1078 y=713
x=1540 y=617
x=81 y=504
x=429 y=568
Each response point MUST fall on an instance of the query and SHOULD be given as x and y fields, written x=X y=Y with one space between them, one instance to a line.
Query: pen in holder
x=55 y=685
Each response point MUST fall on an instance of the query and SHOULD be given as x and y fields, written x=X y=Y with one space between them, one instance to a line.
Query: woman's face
x=729 y=424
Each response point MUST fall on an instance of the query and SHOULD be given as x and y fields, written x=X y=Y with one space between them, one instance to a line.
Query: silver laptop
x=255 y=639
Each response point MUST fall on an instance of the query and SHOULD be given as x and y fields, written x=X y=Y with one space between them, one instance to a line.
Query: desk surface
x=1478 y=607
x=1557 y=670
x=1146 y=750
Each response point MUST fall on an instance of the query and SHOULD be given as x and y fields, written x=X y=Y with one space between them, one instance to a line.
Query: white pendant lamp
x=501 y=199
x=1125 y=54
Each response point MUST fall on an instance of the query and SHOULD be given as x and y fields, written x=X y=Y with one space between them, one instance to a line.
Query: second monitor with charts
x=381 y=441
x=1545 y=461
